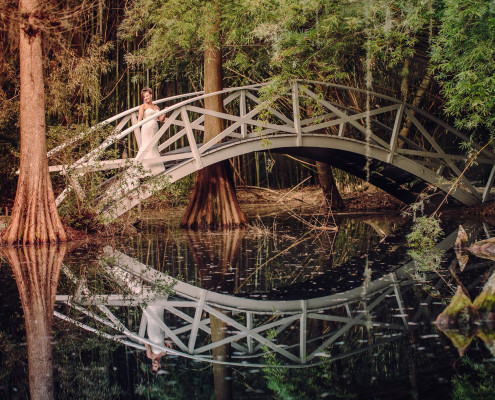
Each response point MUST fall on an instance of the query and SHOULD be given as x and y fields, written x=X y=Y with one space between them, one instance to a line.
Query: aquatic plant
x=421 y=242
x=475 y=381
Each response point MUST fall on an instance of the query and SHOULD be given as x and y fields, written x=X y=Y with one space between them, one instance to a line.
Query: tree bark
x=34 y=217
x=213 y=203
x=328 y=186
x=36 y=271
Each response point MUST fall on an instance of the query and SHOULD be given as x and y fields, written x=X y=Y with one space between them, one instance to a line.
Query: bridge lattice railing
x=306 y=108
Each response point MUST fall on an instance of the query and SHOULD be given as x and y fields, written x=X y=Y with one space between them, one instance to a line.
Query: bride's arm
x=161 y=118
x=140 y=113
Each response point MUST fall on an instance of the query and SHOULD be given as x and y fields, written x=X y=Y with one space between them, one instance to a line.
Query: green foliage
x=175 y=31
x=474 y=382
x=464 y=56
x=78 y=212
x=72 y=74
x=303 y=383
x=425 y=233
x=421 y=241
x=172 y=195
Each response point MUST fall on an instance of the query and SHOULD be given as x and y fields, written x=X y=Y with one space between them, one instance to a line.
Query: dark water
x=286 y=310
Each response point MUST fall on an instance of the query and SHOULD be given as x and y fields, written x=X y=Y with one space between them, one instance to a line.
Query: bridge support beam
x=296 y=113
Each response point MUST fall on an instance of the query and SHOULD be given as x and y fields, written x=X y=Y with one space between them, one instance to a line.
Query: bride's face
x=147 y=97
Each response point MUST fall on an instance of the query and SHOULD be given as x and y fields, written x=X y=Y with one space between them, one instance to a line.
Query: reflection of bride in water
x=156 y=335
x=152 y=317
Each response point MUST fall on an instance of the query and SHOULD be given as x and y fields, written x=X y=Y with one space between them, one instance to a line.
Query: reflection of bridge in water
x=301 y=332
x=369 y=144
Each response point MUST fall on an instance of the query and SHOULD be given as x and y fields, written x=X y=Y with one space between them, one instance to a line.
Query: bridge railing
x=305 y=108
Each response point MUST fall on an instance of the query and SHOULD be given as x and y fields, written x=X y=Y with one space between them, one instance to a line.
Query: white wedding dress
x=131 y=178
x=148 y=131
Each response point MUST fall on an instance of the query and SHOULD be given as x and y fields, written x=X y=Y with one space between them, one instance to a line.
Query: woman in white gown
x=156 y=335
x=150 y=128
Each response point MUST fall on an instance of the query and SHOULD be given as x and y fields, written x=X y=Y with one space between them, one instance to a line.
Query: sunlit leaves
x=464 y=54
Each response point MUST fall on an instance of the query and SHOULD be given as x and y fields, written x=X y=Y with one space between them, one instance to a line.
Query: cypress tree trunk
x=34 y=216
x=36 y=271
x=213 y=203
x=328 y=186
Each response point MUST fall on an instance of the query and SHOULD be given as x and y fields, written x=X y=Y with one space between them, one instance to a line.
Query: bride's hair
x=145 y=90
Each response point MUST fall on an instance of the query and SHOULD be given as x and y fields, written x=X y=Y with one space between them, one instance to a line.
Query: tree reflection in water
x=36 y=270
x=215 y=262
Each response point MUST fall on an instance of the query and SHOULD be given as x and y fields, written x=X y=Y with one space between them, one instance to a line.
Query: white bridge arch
x=311 y=118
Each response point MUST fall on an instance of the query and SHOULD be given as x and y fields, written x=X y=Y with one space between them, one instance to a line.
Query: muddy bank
x=481 y=212
x=256 y=201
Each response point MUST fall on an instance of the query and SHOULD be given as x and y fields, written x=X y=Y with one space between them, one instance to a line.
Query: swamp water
x=282 y=310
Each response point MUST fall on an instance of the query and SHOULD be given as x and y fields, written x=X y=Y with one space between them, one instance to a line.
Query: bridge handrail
x=426 y=114
x=198 y=96
x=108 y=121
x=188 y=117
x=117 y=136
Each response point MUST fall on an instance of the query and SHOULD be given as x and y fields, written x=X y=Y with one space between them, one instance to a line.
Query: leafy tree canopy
x=464 y=56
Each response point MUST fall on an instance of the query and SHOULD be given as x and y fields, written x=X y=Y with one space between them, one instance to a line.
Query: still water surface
x=286 y=309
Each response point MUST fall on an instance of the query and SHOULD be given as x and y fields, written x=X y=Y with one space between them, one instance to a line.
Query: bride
x=150 y=128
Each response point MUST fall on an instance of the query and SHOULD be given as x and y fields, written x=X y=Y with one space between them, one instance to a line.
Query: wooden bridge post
x=190 y=137
x=489 y=184
x=296 y=113
x=242 y=111
x=303 y=331
x=395 y=132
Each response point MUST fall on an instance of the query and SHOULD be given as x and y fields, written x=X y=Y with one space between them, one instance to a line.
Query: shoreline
x=255 y=201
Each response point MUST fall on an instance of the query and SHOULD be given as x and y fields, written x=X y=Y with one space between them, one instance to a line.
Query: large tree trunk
x=36 y=271
x=213 y=202
x=328 y=186
x=34 y=216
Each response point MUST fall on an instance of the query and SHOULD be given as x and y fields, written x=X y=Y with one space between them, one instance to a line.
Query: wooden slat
x=438 y=148
x=191 y=139
x=296 y=113
x=346 y=118
x=395 y=132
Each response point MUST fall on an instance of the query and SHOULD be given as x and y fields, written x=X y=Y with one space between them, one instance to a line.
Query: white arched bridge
x=396 y=146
